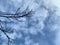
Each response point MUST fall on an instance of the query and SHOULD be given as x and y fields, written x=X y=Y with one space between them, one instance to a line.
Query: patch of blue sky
x=40 y=30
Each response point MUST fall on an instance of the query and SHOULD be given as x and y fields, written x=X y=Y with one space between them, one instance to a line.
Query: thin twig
x=6 y=36
x=4 y=31
x=15 y=16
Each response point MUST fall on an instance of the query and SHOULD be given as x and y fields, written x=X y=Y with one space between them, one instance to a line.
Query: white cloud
x=40 y=14
x=56 y=3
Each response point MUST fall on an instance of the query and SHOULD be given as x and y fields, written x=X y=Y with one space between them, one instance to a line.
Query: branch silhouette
x=13 y=16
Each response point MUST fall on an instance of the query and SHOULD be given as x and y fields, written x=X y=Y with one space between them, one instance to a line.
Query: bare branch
x=6 y=36
x=12 y=16
x=15 y=15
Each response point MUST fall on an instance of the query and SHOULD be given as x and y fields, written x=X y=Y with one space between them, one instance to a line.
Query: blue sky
x=42 y=28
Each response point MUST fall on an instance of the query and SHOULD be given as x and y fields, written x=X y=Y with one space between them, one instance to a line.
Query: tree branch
x=6 y=36
x=14 y=15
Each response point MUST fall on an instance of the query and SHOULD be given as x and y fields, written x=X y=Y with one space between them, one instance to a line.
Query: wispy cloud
x=41 y=11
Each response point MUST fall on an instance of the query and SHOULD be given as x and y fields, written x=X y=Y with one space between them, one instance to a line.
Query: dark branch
x=15 y=15
x=6 y=36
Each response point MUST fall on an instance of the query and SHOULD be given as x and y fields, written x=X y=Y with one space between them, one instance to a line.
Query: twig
x=6 y=36
x=14 y=15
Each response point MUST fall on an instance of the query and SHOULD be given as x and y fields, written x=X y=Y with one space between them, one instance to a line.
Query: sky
x=56 y=3
x=41 y=28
